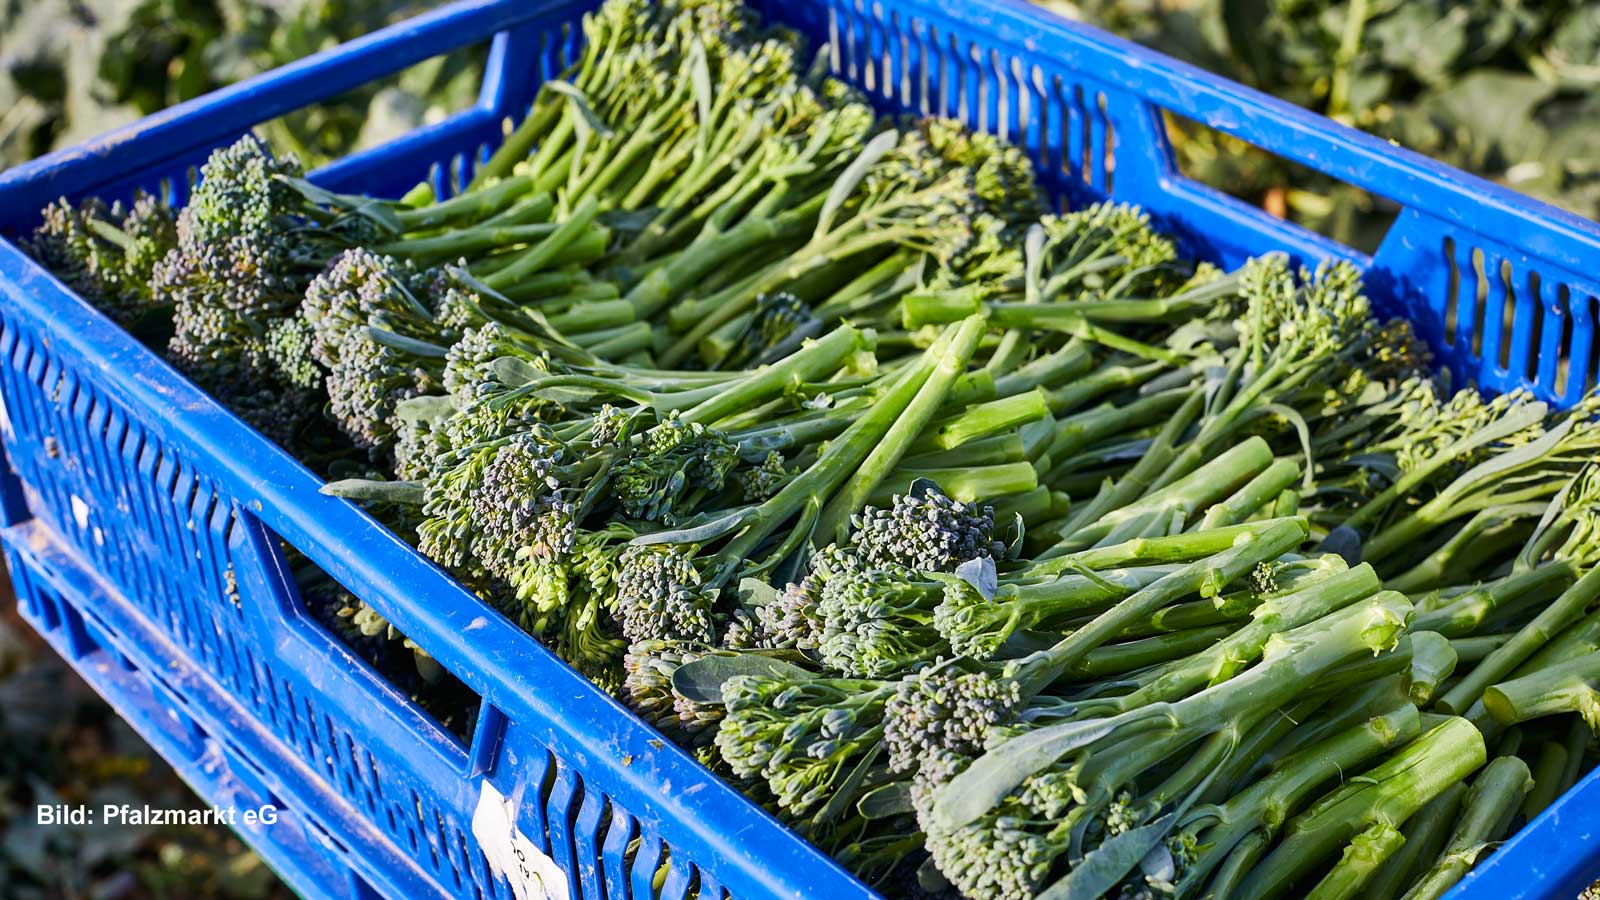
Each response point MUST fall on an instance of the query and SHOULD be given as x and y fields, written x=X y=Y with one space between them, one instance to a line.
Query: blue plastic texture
x=142 y=521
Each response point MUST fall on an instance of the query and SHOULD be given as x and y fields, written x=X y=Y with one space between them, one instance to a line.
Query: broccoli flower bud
x=288 y=349
x=925 y=530
x=362 y=288
x=648 y=668
x=1003 y=176
x=801 y=738
x=758 y=483
x=876 y=623
x=519 y=507
x=612 y=426
x=469 y=363
x=107 y=255
x=945 y=710
x=660 y=595
x=789 y=622
x=781 y=320
x=677 y=462
x=1009 y=852
x=368 y=381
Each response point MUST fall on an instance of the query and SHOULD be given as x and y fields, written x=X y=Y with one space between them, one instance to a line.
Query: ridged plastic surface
x=143 y=521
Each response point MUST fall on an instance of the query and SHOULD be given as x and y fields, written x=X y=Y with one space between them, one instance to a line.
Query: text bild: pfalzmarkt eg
x=124 y=814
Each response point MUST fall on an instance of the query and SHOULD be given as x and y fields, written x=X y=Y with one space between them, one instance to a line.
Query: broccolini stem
x=1433 y=661
x=982 y=420
x=1391 y=792
x=1133 y=483
x=813 y=362
x=1169 y=548
x=1255 y=495
x=1577 y=745
x=472 y=204
x=1183 y=497
x=1232 y=872
x=1548 y=769
x=1446 y=506
x=941 y=307
x=840 y=458
x=681 y=272
x=1463 y=615
x=1407 y=484
x=974 y=484
x=1234 y=607
x=1496 y=794
x=709 y=313
x=1426 y=833
x=1066 y=363
x=834 y=523
x=1292 y=664
x=1581 y=638
x=595 y=316
x=989 y=451
x=978 y=626
x=1569 y=687
x=1033 y=506
x=1227 y=657
x=1077 y=393
x=1344 y=645
x=864 y=291
x=1245 y=765
x=1130 y=656
x=1465 y=548
x=1362 y=859
x=1092 y=426
x=544 y=285
x=1473 y=649
x=1528 y=639
x=579 y=223
x=1065 y=320
x=454 y=244
x=546 y=111
x=618 y=342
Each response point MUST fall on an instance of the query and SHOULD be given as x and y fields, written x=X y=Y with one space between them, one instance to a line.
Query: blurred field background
x=72 y=69
x=1510 y=90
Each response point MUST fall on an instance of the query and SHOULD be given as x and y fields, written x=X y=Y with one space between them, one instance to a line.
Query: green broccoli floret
x=288 y=350
x=802 y=737
x=675 y=467
x=241 y=262
x=780 y=323
x=376 y=372
x=107 y=255
x=925 y=530
x=647 y=669
x=878 y=623
x=791 y=621
x=361 y=288
x=945 y=710
x=660 y=596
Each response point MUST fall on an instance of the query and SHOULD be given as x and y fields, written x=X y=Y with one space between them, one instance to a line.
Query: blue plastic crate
x=141 y=520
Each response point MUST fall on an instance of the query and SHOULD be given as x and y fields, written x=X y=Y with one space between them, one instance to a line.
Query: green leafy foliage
x=75 y=69
x=1505 y=90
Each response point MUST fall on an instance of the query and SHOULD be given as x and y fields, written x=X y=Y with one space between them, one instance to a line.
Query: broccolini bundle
x=1001 y=554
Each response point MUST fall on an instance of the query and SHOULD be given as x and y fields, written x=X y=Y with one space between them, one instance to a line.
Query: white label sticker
x=532 y=874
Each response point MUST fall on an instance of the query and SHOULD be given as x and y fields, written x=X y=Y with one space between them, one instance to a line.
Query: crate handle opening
x=334 y=618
